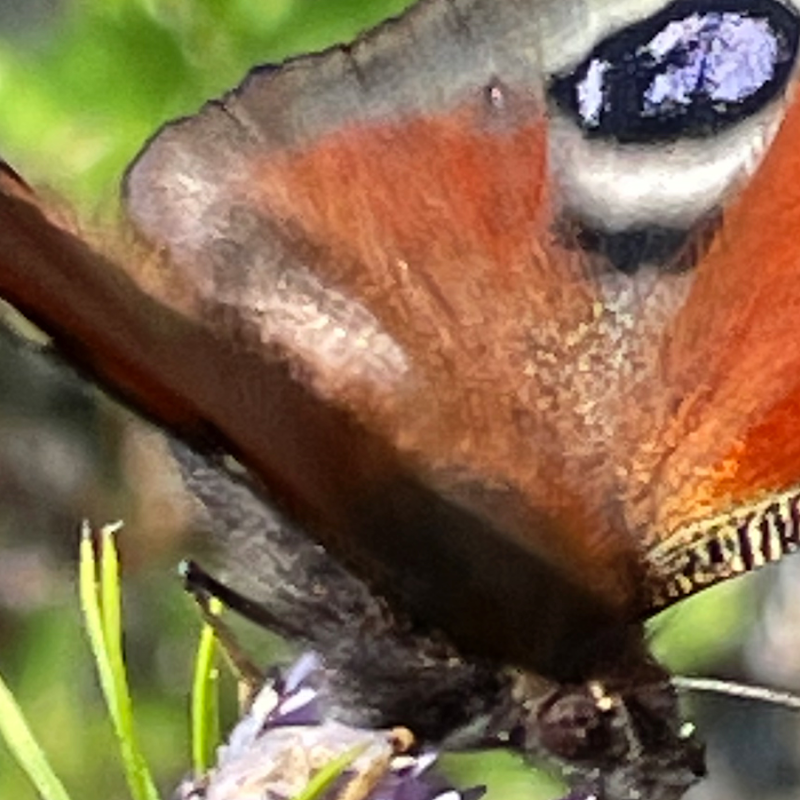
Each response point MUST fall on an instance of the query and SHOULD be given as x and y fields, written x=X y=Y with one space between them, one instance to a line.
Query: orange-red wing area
x=445 y=228
x=435 y=239
x=732 y=363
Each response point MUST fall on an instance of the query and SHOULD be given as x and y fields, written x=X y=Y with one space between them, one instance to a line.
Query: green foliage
x=101 y=603
x=83 y=89
x=16 y=732
x=205 y=699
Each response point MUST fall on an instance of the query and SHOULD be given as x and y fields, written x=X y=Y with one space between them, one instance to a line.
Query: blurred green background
x=82 y=86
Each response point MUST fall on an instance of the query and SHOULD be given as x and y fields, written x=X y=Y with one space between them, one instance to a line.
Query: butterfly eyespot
x=661 y=118
x=691 y=71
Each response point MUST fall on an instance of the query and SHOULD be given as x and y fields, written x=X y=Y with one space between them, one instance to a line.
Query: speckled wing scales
x=729 y=489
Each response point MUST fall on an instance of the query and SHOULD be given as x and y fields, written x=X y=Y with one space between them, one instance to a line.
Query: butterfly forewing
x=733 y=442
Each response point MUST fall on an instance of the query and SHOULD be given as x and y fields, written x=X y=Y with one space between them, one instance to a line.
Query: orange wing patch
x=732 y=355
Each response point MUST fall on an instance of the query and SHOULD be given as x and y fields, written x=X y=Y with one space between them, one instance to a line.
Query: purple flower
x=285 y=739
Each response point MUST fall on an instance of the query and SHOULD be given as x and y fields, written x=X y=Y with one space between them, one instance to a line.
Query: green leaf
x=25 y=748
x=205 y=699
x=101 y=609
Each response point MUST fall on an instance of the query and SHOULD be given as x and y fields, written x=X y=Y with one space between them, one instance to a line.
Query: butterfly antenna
x=732 y=689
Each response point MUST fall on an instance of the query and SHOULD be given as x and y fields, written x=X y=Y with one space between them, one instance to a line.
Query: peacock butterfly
x=472 y=300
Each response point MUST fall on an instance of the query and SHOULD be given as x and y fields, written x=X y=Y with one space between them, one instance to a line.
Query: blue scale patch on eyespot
x=690 y=71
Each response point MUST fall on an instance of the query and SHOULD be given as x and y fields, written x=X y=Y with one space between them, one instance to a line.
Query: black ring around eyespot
x=621 y=71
